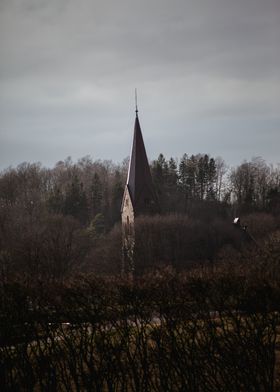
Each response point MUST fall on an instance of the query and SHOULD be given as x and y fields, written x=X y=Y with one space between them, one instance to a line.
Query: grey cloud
x=69 y=68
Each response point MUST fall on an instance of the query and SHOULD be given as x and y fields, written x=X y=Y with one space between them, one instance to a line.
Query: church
x=139 y=197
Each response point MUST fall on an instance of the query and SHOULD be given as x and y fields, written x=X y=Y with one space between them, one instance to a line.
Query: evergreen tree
x=202 y=174
x=172 y=174
x=211 y=180
x=160 y=174
x=191 y=177
x=183 y=175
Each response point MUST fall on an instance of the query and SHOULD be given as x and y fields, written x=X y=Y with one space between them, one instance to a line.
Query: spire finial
x=136 y=106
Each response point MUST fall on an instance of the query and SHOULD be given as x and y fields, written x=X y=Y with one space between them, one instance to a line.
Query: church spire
x=139 y=196
x=139 y=179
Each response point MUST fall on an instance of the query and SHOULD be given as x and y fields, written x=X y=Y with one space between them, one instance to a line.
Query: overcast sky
x=207 y=74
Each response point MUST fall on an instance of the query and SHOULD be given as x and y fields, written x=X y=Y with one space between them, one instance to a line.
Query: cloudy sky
x=207 y=74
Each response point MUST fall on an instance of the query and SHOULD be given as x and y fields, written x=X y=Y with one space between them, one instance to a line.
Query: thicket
x=202 y=330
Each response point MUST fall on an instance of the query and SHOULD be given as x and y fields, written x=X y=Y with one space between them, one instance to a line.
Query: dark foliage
x=210 y=326
x=201 y=331
x=55 y=221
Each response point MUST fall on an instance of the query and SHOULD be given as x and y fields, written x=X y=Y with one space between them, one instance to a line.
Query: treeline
x=251 y=186
x=81 y=190
x=56 y=221
x=204 y=330
x=89 y=188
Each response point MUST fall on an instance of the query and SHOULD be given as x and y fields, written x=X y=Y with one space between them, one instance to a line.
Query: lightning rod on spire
x=136 y=105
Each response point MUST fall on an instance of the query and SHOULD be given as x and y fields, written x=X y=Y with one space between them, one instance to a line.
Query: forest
x=65 y=219
x=202 y=313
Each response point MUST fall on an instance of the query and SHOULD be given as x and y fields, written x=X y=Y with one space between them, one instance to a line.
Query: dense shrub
x=200 y=331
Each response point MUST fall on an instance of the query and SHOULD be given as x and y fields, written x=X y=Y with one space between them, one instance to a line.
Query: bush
x=167 y=332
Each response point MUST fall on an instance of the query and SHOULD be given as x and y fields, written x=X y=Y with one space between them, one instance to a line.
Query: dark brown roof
x=139 y=180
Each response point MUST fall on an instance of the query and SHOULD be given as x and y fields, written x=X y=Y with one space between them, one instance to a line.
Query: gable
x=127 y=209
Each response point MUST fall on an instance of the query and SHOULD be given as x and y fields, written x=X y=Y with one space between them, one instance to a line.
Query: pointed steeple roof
x=139 y=179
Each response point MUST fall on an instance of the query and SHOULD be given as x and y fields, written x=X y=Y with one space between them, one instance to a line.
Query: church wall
x=128 y=234
x=127 y=210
